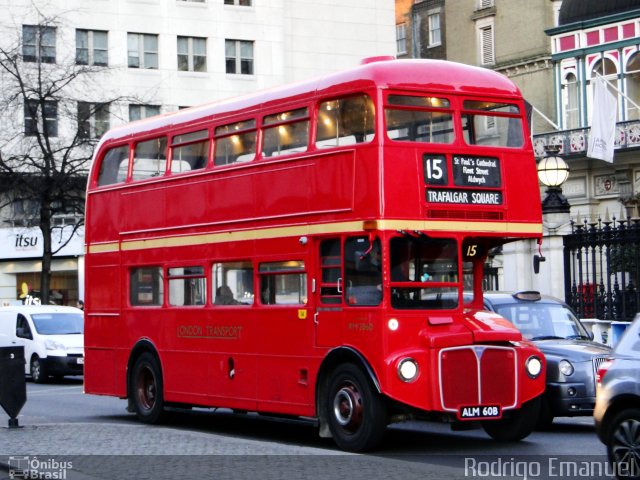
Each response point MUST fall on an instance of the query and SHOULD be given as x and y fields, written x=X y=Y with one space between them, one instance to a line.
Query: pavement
x=90 y=451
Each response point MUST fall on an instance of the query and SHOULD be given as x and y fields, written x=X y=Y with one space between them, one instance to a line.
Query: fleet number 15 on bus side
x=304 y=250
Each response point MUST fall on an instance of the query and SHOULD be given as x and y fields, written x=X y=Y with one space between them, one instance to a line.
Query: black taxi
x=572 y=356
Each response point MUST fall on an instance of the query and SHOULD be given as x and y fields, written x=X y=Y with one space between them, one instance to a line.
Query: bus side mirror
x=536 y=262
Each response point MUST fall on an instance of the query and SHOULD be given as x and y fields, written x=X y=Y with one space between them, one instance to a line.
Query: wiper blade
x=578 y=337
x=547 y=337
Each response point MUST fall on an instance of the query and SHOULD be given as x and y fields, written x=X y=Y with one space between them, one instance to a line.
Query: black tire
x=356 y=413
x=38 y=371
x=517 y=425
x=545 y=419
x=623 y=443
x=146 y=389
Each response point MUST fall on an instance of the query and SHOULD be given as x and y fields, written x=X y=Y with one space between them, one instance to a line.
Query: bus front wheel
x=145 y=389
x=518 y=425
x=356 y=413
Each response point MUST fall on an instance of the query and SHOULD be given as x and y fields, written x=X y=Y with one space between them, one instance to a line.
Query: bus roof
x=434 y=76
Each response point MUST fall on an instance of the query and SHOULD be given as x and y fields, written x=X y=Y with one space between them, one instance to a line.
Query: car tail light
x=602 y=370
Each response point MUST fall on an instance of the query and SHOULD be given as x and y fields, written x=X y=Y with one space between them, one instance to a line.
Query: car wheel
x=518 y=425
x=145 y=389
x=356 y=413
x=623 y=443
x=38 y=372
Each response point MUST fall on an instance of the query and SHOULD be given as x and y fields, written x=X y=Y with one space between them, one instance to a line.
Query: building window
x=632 y=76
x=91 y=48
x=93 y=119
x=485 y=4
x=142 y=50
x=41 y=118
x=241 y=3
x=608 y=69
x=25 y=212
x=192 y=54
x=486 y=44
x=38 y=43
x=138 y=112
x=239 y=56
x=434 y=30
x=571 y=101
x=401 y=38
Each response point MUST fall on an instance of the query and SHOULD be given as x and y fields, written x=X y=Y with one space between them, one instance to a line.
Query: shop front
x=21 y=265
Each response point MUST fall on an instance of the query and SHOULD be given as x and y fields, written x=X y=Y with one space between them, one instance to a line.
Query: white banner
x=603 y=122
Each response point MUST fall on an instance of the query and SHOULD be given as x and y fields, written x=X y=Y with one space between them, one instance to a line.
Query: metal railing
x=574 y=142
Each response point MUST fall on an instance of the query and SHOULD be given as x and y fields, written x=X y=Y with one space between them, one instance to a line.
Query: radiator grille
x=597 y=361
x=478 y=375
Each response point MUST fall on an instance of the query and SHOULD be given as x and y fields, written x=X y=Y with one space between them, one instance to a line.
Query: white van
x=52 y=336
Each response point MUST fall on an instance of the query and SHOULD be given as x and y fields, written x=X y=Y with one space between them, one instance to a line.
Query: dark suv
x=572 y=357
x=617 y=412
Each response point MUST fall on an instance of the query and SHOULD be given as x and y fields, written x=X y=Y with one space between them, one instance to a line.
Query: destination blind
x=464 y=197
x=476 y=171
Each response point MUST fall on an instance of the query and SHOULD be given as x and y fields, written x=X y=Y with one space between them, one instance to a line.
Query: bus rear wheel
x=356 y=413
x=518 y=425
x=145 y=389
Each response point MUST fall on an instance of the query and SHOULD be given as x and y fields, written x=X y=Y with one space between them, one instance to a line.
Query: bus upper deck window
x=345 y=121
x=235 y=142
x=495 y=124
x=189 y=151
x=419 y=119
x=114 y=166
x=285 y=133
x=150 y=159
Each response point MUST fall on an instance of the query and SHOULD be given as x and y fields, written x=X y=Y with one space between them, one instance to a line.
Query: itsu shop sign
x=18 y=243
x=479 y=175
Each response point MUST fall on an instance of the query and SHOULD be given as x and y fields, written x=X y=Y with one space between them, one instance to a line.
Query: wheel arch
x=617 y=405
x=142 y=346
x=335 y=357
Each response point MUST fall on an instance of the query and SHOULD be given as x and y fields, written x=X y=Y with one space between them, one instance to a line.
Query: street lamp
x=553 y=171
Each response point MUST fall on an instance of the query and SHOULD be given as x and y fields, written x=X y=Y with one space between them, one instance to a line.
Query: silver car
x=572 y=357
x=617 y=412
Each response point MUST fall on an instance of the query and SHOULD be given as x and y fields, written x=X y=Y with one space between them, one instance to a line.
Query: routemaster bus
x=304 y=250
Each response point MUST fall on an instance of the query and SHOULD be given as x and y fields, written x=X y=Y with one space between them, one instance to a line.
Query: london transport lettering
x=230 y=332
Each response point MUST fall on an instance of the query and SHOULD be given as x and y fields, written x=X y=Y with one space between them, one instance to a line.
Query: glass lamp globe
x=553 y=171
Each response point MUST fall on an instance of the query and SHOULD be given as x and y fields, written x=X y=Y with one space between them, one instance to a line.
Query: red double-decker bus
x=305 y=251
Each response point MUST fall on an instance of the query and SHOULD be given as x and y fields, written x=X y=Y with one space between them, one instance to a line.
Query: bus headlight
x=533 y=366
x=565 y=367
x=408 y=369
